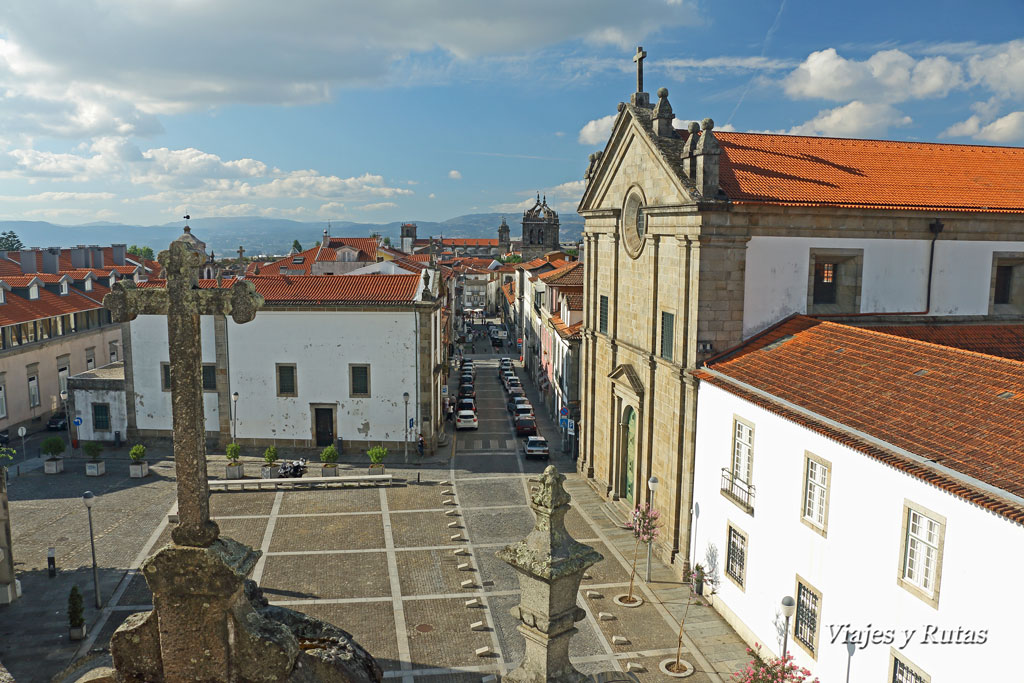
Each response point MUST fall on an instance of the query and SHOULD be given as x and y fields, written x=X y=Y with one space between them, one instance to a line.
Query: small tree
x=377 y=454
x=137 y=453
x=644 y=526
x=329 y=455
x=141 y=252
x=763 y=669
x=76 y=614
x=53 y=446
x=296 y=246
x=270 y=455
x=93 y=449
x=9 y=241
x=234 y=452
x=6 y=454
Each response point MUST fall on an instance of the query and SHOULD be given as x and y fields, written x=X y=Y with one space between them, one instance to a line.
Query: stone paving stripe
x=447 y=492
x=396 y=589
x=474 y=602
x=595 y=659
x=449 y=501
x=483 y=651
x=453 y=525
x=688 y=643
x=268 y=534
x=478 y=626
x=446 y=483
x=468 y=583
x=329 y=601
x=457 y=537
x=464 y=567
x=460 y=551
x=452 y=513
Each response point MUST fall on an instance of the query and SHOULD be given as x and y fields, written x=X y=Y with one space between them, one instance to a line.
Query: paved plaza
x=410 y=570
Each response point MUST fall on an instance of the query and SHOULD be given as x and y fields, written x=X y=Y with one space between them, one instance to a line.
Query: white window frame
x=33 y=291
x=63 y=288
x=814 y=502
x=736 y=571
x=63 y=372
x=811 y=648
x=742 y=462
x=34 y=398
x=923 y=542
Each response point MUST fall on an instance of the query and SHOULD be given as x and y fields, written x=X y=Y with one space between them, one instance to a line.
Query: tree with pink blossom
x=644 y=526
x=768 y=669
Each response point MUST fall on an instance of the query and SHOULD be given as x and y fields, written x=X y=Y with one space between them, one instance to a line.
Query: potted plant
x=235 y=469
x=138 y=468
x=697 y=576
x=53 y=447
x=377 y=455
x=76 y=615
x=644 y=526
x=269 y=457
x=329 y=457
x=96 y=467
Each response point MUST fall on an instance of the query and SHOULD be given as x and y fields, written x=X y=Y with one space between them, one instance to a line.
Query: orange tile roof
x=21 y=310
x=1006 y=340
x=323 y=289
x=566 y=331
x=575 y=300
x=569 y=275
x=367 y=247
x=959 y=409
x=879 y=174
x=506 y=289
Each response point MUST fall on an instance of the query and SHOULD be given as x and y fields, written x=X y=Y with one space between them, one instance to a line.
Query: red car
x=526 y=426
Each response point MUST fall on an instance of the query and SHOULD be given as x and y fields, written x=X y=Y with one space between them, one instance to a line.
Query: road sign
x=563 y=421
x=21 y=432
x=572 y=428
x=412 y=421
x=77 y=422
x=444 y=389
x=563 y=411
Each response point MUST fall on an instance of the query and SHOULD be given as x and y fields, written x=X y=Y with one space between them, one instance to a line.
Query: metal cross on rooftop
x=639 y=59
x=183 y=302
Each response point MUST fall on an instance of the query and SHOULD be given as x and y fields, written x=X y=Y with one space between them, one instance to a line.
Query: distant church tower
x=504 y=238
x=408 y=236
x=540 y=230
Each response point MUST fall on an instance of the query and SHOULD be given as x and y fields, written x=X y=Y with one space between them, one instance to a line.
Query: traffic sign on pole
x=572 y=428
x=77 y=422
x=563 y=421
x=563 y=411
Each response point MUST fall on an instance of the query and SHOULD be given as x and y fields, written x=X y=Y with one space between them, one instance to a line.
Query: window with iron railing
x=738 y=490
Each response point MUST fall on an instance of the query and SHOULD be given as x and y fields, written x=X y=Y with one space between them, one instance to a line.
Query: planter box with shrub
x=329 y=457
x=235 y=469
x=138 y=468
x=268 y=471
x=53 y=448
x=96 y=467
x=377 y=455
x=76 y=615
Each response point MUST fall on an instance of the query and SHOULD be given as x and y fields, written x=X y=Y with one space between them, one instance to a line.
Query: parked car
x=522 y=410
x=467 y=391
x=466 y=378
x=466 y=419
x=506 y=376
x=535 y=447
x=513 y=383
x=526 y=426
x=465 y=404
x=515 y=401
x=57 y=422
x=517 y=392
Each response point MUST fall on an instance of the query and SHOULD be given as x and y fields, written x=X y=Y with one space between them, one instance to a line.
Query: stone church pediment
x=627 y=375
x=632 y=157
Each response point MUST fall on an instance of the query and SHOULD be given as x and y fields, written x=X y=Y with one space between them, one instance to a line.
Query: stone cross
x=550 y=565
x=639 y=59
x=183 y=302
x=241 y=250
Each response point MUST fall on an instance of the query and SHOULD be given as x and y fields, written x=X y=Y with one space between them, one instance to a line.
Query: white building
x=327 y=357
x=877 y=479
x=98 y=398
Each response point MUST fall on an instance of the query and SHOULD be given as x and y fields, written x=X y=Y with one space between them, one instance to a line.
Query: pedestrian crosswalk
x=487 y=444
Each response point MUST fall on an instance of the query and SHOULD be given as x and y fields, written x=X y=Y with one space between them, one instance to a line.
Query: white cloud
x=378 y=206
x=1000 y=68
x=596 y=132
x=59 y=197
x=454 y=175
x=968 y=127
x=72 y=78
x=727 y=63
x=431 y=196
x=1009 y=128
x=887 y=76
x=856 y=119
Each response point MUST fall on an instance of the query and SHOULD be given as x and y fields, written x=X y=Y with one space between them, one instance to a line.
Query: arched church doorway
x=629 y=421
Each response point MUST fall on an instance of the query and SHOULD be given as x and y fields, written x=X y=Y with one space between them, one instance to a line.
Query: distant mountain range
x=260 y=235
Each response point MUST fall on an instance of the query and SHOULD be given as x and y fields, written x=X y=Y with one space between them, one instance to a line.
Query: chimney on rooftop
x=28 y=261
x=95 y=256
x=51 y=260
x=78 y=257
x=119 y=251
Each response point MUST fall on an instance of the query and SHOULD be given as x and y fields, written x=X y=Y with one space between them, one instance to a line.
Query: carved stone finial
x=694 y=128
x=662 y=93
x=663 y=115
x=707 y=124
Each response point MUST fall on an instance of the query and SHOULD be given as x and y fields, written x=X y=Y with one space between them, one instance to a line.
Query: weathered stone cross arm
x=126 y=301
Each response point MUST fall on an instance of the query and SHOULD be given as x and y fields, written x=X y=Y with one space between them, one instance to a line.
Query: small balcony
x=738 y=491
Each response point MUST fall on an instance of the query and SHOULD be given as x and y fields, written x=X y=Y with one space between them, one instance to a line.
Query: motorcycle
x=293 y=469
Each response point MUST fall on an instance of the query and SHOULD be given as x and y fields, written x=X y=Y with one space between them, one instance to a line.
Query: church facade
x=540 y=230
x=696 y=240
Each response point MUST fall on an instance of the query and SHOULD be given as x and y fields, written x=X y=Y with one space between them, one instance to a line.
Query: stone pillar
x=550 y=565
x=8 y=589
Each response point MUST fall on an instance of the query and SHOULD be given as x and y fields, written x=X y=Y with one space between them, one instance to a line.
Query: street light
x=652 y=486
x=788 y=610
x=67 y=420
x=234 y=421
x=88 y=498
x=406 y=425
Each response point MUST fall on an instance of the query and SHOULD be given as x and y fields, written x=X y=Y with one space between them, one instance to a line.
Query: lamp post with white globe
x=88 y=498
x=652 y=486
x=788 y=610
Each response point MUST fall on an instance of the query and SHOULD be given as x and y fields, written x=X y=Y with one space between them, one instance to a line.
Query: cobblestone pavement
x=410 y=570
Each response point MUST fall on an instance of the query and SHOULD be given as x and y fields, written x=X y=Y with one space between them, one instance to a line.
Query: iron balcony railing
x=740 y=491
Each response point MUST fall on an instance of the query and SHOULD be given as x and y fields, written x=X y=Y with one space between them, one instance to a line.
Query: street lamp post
x=652 y=486
x=406 y=426
x=788 y=610
x=88 y=498
x=234 y=420
x=67 y=420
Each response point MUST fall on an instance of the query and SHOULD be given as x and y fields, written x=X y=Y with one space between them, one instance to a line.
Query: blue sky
x=135 y=112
